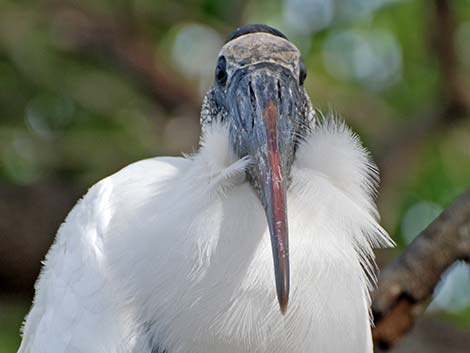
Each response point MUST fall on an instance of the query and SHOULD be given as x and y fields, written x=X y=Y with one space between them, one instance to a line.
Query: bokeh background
x=87 y=87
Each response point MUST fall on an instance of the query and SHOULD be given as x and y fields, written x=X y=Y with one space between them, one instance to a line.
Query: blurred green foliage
x=73 y=113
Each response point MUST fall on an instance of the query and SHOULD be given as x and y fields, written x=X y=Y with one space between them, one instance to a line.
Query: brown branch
x=406 y=287
x=453 y=90
x=433 y=335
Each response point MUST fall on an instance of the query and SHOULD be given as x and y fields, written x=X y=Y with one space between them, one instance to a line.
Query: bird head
x=258 y=92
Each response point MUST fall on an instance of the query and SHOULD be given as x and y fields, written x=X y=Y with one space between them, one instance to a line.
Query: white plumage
x=173 y=255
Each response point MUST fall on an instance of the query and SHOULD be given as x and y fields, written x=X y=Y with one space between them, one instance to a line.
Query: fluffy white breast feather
x=173 y=255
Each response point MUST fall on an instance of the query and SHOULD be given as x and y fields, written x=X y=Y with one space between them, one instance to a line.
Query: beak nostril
x=279 y=95
x=253 y=104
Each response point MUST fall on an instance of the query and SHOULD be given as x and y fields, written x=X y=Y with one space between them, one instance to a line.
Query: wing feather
x=76 y=308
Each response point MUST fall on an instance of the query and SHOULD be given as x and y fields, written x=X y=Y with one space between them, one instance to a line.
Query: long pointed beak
x=263 y=101
x=273 y=191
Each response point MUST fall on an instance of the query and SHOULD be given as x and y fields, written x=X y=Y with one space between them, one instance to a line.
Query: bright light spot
x=195 y=50
x=355 y=9
x=417 y=218
x=452 y=293
x=308 y=16
x=305 y=17
x=374 y=59
x=47 y=115
x=20 y=160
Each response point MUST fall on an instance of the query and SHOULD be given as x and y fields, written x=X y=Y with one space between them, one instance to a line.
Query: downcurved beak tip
x=283 y=306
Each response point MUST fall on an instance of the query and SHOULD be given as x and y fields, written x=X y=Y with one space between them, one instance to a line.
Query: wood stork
x=175 y=255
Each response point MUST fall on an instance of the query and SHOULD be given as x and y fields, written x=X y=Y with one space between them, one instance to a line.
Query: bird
x=261 y=240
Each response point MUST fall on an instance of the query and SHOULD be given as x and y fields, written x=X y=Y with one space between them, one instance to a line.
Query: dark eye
x=302 y=72
x=220 y=71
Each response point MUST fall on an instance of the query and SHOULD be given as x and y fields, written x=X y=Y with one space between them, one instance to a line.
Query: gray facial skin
x=258 y=92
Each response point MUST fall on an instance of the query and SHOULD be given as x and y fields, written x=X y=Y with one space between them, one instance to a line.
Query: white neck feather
x=223 y=245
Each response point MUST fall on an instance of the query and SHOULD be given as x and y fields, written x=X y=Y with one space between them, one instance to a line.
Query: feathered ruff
x=336 y=156
x=333 y=225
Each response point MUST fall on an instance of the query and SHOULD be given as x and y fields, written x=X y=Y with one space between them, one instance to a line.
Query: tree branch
x=406 y=287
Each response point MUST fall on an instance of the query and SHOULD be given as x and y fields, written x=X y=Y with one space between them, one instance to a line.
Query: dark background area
x=87 y=87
